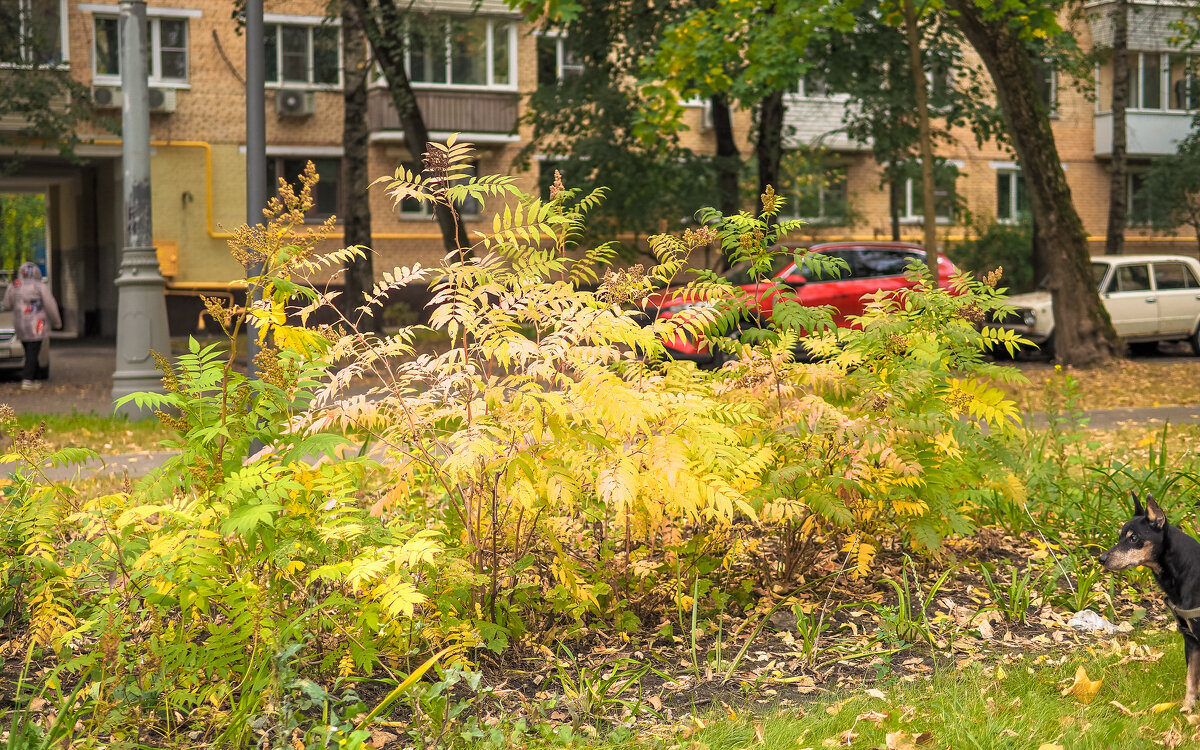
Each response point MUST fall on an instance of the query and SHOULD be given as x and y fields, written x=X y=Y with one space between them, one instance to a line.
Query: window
x=1143 y=210
x=326 y=202
x=1183 y=83
x=814 y=86
x=878 y=262
x=31 y=32
x=462 y=51
x=1174 y=276
x=1047 y=84
x=1158 y=81
x=1130 y=279
x=303 y=54
x=1012 y=199
x=411 y=208
x=818 y=197
x=167 y=50
x=556 y=61
x=910 y=197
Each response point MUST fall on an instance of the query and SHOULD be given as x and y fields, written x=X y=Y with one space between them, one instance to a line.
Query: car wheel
x=1194 y=340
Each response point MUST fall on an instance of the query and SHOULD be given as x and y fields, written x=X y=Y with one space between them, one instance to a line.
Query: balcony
x=1146 y=133
x=818 y=122
x=449 y=111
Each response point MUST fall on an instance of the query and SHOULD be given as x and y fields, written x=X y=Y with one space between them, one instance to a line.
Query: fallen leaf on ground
x=877 y=693
x=1158 y=708
x=1121 y=708
x=1083 y=688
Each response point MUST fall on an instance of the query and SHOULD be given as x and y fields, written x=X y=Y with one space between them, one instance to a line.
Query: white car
x=1150 y=298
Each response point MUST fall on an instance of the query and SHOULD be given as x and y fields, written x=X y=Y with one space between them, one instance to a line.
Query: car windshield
x=1098 y=272
x=740 y=274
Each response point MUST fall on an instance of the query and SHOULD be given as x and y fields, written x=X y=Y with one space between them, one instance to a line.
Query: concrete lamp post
x=141 y=303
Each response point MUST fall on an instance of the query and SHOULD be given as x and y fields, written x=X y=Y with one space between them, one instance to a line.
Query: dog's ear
x=1137 y=506
x=1154 y=514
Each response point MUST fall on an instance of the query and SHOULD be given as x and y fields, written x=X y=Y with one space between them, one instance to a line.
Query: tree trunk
x=728 y=163
x=1114 y=243
x=356 y=208
x=924 y=138
x=769 y=148
x=1083 y=333
x=384 y=23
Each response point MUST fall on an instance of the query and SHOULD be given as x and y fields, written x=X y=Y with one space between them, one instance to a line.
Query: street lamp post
x=141 y=303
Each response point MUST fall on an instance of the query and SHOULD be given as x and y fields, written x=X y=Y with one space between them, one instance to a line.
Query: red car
x=872 y=266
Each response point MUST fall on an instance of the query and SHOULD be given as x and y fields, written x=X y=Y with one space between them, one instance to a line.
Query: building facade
x=472 y=66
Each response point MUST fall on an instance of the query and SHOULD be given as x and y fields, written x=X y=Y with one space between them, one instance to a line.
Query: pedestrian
x=32 y=305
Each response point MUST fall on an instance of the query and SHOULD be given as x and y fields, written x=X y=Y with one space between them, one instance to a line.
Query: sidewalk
x=81 y=381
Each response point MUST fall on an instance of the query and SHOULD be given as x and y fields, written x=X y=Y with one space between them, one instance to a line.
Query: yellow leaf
x=1083 y=688
x=1000 y=673
x=1049 y=746
x=1158 y=708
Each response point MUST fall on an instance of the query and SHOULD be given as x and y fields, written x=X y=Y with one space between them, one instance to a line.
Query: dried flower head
x=770 y=201
x=991 y=278
x=556 y=187
x=625 y=285
x=436 y=163
x=698 y=237
x=973 y=313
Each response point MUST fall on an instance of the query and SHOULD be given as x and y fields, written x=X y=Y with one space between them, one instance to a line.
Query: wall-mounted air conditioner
x=162 y=100
x=106 y=97
x=295 y=103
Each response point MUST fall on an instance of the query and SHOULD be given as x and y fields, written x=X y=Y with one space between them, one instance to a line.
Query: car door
x=1131 y=302
x=831 y=290
x=1178 y=292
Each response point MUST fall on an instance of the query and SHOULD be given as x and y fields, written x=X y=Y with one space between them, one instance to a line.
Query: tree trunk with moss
x=1083 y=333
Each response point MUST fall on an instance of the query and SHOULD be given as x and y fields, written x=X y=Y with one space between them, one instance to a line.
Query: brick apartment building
x=478 y=89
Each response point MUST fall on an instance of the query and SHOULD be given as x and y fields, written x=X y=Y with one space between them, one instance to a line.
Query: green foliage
x=1171 y=191
x=999 y=246
x=1014 y=597
x=550 y=469
x=22 y=227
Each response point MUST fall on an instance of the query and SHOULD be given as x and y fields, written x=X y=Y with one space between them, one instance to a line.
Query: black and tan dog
x=1174 y=558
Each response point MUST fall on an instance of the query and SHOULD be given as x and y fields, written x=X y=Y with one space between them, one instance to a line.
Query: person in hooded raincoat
x=33 y=306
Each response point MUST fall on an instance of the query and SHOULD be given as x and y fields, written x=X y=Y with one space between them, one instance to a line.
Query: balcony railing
x=455 y=111
x=1146 y=133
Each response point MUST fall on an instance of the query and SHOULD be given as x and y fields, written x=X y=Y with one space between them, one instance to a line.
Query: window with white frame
x=1160 y=80
x=167 y=49
x=818 y=196
x=304 y=54
x=556 y=60
x=1012 y=199
x=469 y=51
x=911 y=196
x=31 y=32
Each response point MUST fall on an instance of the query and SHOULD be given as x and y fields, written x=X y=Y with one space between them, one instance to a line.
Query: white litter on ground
x=1090 y=622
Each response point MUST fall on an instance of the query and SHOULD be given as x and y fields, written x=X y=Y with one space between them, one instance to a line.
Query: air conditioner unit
x=295 y=103
x=162 y=100
x=106 y=97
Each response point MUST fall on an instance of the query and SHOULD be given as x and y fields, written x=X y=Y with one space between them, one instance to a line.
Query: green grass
x=973 y=707
x=102 y=434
